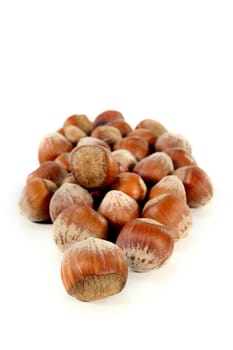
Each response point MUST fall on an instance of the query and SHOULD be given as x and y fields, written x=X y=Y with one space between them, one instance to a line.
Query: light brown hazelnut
x=78 y=222
x=93 y=166
x=121 y=125
x=145 y=134
x=66 y=195
x=49 y=170
x=197 y=184
x=81 y=121
x=146 y=243
x=171 y=139
x=73 y=133
x=64 y=160
x=180 y=157
x=125 y=158
x=89 y=140
x=107 y=116
x=118 y=208
x=153 y=125
x=93 y=269
x=154 y=167
x=52 y=145
x=107 y=133
x=171 y=211
x=35 y=199
x=131 y=184
x=136 y=145
x=168 y=184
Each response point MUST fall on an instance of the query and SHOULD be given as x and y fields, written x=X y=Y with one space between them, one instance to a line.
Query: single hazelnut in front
x=35 y=199
x=171 y=139
x=93 y=166
x=52 y=145
x=171 y=211
x=131 y=184
x=154 y=167
x=168 y=184
x=146 y=243
x=66 y=195
x=119 y=208
x=78 y=222
x=93 y=269
x=197 y=184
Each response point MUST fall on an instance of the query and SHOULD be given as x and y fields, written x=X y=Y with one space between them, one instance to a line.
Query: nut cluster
x=117 y=197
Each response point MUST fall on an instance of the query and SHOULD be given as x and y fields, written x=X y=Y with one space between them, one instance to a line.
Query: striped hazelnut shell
x=78 y=222
x=93 y=269
x=171 y=211
x=146 y=243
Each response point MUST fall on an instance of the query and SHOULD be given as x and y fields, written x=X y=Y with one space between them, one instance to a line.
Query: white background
x=167 y=60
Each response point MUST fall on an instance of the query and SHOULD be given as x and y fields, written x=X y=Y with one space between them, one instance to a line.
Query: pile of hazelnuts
x=117 y=197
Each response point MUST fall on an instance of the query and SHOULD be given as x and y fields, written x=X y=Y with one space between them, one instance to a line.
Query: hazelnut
x=136 y=145
x=145 y=134
x=93 y=269
x=121 y=125
x=180 y=157
x=153 y=125
x=81 y=121
x=154 y=167
x=89 y=140
x=107 y=116
x=64 y=160
x=35 y=199
x=107 y=133
x=146 y=243
x=52 y=145
x=197 y=184
x=49 y=170
x=78 y=222
x=93 y=166
x=118 y=208
x=131 y=184
x=73 y=133
x=171 y=139
x=168 y=184
x=171 y=211
x=66 y=195
x=125 y=159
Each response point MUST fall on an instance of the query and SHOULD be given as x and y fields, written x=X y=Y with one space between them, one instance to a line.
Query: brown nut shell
x=180 y=157
x=49 y=170
x=146 y=243
x=131 y=184
x=93 y=166
x=168 y=184
x=52 y=145
x=171 y=139
x=66 y=195
x=107 y=116
x=35 y=199
x=136 y=145
x=118 y=208
x=78 y=222
x=197 y=184
x=93 y=269
x=154 y=167
x=171 y=211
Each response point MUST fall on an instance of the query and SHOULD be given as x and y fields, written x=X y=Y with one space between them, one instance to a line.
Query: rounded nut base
x=95 y=287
